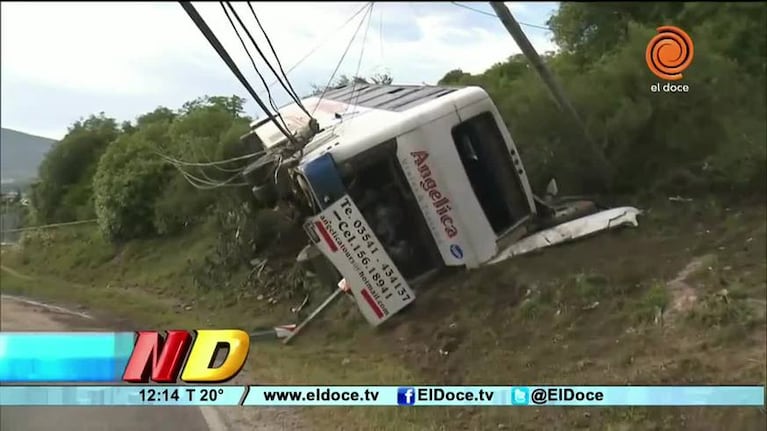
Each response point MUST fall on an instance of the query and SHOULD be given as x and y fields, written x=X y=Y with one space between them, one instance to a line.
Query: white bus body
x=432 y=170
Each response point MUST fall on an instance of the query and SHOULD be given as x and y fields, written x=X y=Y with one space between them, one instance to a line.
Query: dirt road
x=23 y=315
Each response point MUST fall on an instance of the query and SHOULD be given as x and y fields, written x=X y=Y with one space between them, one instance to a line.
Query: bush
x=138 y=193
x=129 y=179
x=180 y=205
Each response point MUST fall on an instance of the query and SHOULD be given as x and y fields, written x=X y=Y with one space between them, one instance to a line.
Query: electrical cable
x=380 y=34
x=273 y=104
x=541 y=27
x=197 y=152
x=359 y=61
x=216 y=44
x=206 y=181
x=204 y=185
x=193 y=179
x=322 y=42
x=202 y=155
x=338 y=65
x=233 y=159
x=289 y=89
x=255 y=44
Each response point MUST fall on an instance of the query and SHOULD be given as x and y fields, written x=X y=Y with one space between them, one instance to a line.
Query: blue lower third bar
x=126 y=395
x=51 y=357
x=414 y=396
x=638 y=396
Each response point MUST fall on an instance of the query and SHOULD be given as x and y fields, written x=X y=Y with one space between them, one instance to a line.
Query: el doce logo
x=668 y=54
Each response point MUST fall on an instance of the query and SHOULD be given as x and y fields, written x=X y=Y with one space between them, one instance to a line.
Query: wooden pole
x=512 y=26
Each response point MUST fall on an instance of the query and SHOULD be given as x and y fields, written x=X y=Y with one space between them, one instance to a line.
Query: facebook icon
x=406 y=396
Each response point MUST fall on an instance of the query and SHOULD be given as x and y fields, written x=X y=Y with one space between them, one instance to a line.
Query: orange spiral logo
x=669 y=53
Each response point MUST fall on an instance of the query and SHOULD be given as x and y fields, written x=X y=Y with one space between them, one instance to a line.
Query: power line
x=362 y=53
x=224 y=5
x=220 y=162
x=541 y=27
x=289 y=89
x=322 y=42
x=205 y=183
x=216 y=44
x=51 y=225
x=258 y=49
x=202 y=184
x=260 y=53
x=338 y=65
x=380 y=33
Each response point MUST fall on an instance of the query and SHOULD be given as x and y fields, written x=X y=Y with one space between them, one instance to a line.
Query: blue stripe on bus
x=325 y=180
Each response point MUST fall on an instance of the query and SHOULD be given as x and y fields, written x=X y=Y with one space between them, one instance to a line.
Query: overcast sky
x=64 y=61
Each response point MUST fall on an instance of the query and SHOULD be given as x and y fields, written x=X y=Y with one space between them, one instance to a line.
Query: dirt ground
x=678 y=301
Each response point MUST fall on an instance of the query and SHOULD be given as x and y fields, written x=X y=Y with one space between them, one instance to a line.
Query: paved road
x=19 y=315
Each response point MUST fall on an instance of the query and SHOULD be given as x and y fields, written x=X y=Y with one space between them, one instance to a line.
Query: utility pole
x=552 y=84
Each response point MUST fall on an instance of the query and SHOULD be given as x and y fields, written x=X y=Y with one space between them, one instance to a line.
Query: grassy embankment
x=680 y=300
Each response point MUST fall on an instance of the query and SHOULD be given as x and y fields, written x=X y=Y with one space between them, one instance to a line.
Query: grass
x=582 y=313
x=653 y=303
x=268 y=363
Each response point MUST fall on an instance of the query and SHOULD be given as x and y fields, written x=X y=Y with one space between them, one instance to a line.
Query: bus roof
x=362 y=112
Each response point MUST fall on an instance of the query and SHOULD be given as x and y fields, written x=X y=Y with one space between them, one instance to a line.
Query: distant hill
x=20 y=156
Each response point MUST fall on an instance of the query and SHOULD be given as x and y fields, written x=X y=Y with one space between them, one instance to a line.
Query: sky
x=60 y=62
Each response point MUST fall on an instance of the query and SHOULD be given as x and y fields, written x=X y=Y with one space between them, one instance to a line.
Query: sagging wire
x=207 y=182
x=338 y=65
x=201 y=154
x=204 y=185
x=228 y=170
x=277 y=170
x=233 y=159
x=197 y=182
x=198 y=153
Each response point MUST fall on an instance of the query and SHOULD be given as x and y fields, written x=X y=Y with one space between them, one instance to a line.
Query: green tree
x=138 y=192
x=63 y=192
x=161 y=114
x=129 y=178
x=591 y=30
x=709 y=139
x=182 y=205
x=454 y=77
x=344 y=80
x=735 y=30
x=381 y=79
x=234 y=105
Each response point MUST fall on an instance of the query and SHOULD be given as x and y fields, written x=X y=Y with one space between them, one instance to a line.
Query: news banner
x=179 y=369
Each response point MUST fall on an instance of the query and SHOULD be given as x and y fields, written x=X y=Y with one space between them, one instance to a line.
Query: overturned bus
x=398 y=182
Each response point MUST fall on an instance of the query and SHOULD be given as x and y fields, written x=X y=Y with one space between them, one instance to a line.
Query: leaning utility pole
x=551 y=83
